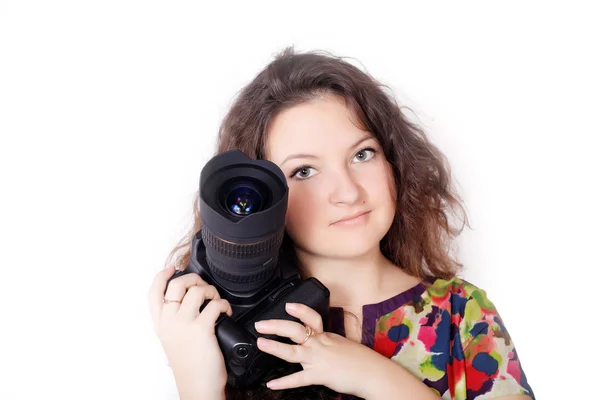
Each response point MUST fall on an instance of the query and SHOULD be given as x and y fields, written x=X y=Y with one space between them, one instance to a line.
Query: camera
x=238 y=249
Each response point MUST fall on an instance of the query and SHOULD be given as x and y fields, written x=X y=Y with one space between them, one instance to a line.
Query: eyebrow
x=293 y=156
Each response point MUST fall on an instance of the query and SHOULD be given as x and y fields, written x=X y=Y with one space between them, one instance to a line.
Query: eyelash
x=295 y=172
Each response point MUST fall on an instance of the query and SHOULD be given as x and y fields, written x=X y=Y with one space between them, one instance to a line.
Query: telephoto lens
x=243 y=204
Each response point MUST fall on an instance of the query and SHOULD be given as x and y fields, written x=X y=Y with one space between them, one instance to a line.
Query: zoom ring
x=234 y=250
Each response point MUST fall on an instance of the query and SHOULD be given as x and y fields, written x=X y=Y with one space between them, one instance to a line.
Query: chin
x=348 y=246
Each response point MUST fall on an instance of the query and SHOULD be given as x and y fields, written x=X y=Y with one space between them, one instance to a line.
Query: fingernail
x=262 y=343
x=272 y=385
x=260 y=325
x=291 y=306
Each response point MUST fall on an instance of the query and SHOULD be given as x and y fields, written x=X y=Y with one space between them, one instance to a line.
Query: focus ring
x=238 y=282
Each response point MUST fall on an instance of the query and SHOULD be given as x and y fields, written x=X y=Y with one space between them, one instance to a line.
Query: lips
x=351 y=217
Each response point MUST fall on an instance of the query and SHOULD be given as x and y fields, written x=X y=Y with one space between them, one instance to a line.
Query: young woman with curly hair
x=371 y=214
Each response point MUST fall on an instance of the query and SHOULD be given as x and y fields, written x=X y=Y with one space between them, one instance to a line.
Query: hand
x=188 y=336
x=327 y=359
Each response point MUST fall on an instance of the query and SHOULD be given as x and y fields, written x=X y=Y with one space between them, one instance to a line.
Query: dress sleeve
x=490 y=366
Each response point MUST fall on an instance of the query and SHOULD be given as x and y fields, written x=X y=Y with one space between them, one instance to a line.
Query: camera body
x=238 y=250
x=236 y=335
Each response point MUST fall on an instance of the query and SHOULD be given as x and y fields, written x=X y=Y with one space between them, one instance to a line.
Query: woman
x=370 y=201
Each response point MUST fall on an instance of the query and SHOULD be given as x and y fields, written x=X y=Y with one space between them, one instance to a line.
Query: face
x=334 y=171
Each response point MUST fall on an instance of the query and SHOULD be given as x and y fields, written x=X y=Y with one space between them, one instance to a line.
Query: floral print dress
x=449 y=335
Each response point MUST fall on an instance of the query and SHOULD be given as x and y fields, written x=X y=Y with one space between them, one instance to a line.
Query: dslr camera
x=243 y=203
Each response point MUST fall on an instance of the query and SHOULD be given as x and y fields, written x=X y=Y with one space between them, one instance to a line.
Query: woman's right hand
x=188 y=336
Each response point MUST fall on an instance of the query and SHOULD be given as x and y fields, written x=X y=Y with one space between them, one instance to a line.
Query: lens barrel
x=243 y=204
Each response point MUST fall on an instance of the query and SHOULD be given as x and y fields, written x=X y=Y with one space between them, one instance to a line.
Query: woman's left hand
x=327 y=359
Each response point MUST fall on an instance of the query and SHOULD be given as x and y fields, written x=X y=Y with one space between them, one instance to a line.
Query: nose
x=345 y=189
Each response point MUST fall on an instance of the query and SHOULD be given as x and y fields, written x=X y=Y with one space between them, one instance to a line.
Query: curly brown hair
x=422 y=231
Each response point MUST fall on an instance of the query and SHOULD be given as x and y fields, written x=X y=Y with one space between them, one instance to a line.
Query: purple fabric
x=371 y=312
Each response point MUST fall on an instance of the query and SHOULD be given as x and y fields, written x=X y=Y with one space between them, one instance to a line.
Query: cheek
x=378 y=182
x=385 y=183
x=304 y=210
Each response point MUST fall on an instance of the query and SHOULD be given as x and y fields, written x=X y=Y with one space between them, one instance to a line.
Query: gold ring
x=309 y=333
x=165 y=301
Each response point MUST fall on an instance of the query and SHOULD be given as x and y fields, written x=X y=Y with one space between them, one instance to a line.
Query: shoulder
x=449 y=306
x=458 y=292
x=455 y=286
x=468 y=305
x=472 y=313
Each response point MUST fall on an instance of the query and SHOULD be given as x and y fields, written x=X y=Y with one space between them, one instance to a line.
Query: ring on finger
x=167 y=301
x=309 y=333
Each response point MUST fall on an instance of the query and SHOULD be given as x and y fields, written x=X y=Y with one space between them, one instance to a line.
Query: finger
x=156 y=292
x=280 y=327
x=306 y=314
x=177 y=289
x=211 y=312
x=193 y=299
x=298 y=379
x=289 y=352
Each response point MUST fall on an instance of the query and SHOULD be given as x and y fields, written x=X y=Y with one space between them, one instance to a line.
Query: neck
x=351 y=281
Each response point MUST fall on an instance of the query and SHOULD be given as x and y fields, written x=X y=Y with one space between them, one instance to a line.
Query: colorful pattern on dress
x=452 y=338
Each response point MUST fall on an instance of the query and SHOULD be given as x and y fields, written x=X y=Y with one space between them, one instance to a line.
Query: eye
x=365 y=154
x=302 y=173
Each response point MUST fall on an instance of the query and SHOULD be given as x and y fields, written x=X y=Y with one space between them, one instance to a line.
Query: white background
x=109 y=109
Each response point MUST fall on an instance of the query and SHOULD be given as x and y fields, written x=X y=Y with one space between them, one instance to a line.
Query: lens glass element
x=243 y=200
